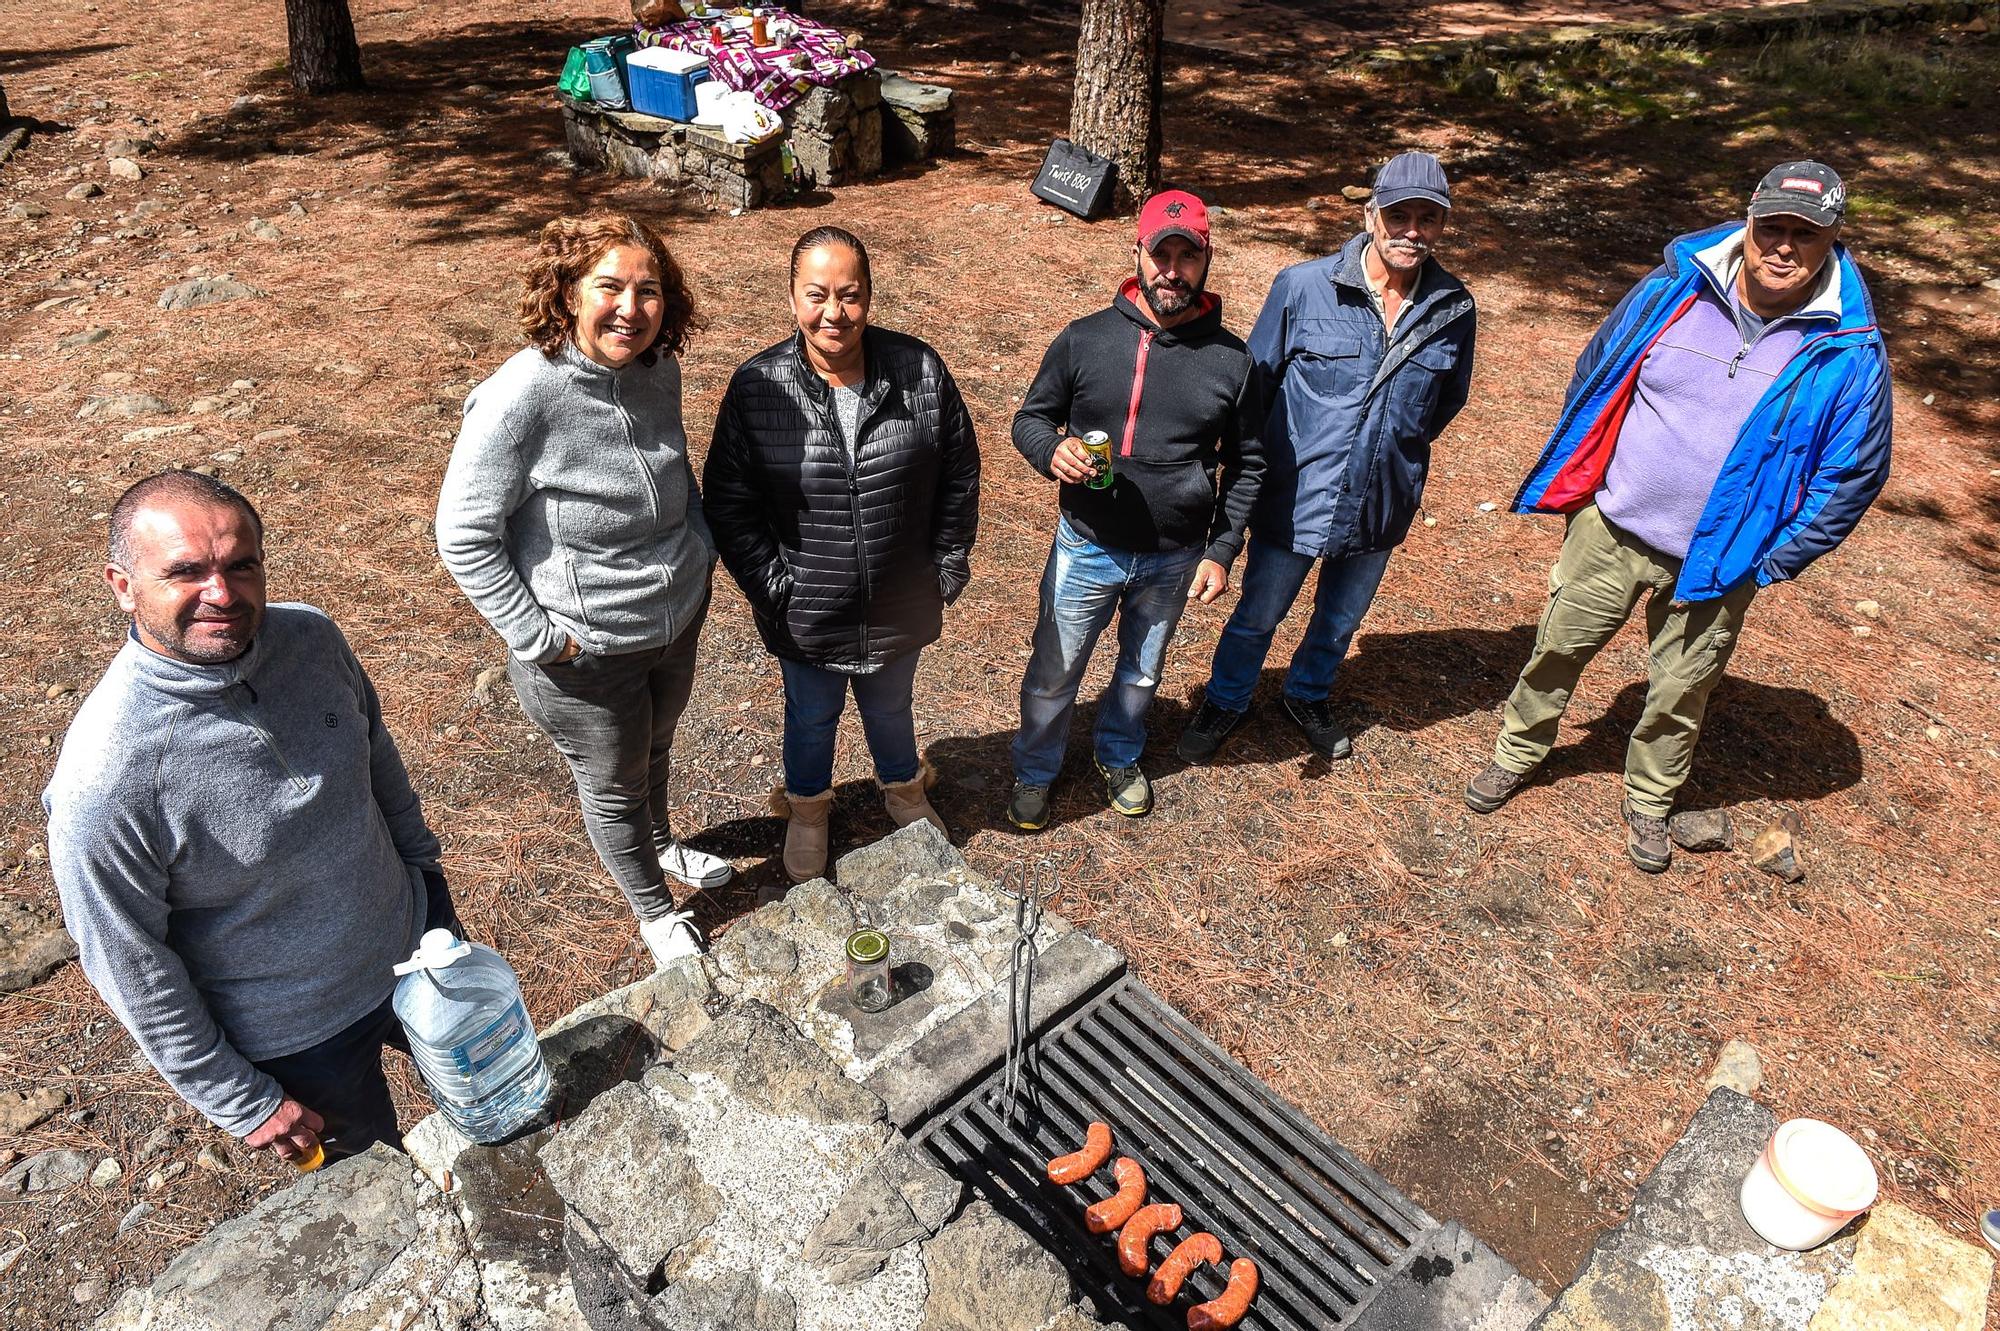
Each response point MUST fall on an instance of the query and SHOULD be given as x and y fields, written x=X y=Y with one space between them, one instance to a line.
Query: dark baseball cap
x=1411 y=175
x=1801 y=189
x=1173 y=212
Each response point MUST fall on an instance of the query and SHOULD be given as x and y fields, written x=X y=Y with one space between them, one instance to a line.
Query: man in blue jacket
x=1728 y=424
x=1358 y=362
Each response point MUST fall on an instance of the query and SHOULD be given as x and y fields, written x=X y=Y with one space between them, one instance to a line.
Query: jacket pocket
x=576 y=592
x=1328 y=360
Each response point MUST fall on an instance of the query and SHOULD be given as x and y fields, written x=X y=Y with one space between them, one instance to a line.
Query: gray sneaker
x=1127 y=789
x=1493 y=788
x=1028 y=809
x=1646 y=840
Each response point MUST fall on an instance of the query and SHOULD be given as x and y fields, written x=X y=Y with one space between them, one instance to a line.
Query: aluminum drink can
x=1098 y=445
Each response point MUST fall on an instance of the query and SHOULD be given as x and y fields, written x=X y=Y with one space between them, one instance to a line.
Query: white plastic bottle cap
x=437 y=949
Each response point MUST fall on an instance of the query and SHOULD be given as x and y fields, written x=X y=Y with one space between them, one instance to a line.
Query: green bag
x=575 y=80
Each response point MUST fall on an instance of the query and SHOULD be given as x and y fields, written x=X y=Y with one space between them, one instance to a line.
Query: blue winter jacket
x=1349 y=412
x=1808 y=460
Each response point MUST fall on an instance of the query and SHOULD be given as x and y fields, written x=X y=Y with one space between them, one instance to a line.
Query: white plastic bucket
x=1809 y=1181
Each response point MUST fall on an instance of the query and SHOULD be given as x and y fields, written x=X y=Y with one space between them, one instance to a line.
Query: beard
x=204 y=642
x=1167 y=298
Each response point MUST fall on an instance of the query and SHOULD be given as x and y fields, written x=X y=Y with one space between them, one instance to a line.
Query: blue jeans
x=1083 y=586
x=1272 y=577
x=813 y=702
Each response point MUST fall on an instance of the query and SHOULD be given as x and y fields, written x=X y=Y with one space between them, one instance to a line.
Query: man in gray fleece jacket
x=239 y=853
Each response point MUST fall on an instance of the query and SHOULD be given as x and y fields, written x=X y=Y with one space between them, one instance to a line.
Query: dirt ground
x=1498 y=1012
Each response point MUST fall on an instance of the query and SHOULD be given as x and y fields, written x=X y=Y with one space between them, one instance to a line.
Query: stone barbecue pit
x=733 y=1147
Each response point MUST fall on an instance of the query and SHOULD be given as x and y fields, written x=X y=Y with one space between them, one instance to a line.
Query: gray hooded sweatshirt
x=569 y=509
x=239 y=855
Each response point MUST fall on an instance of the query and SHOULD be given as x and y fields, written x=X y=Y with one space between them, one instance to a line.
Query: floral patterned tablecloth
x=772 y=74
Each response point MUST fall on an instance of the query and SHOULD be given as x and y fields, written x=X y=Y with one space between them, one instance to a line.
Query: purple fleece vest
x=1692 y=398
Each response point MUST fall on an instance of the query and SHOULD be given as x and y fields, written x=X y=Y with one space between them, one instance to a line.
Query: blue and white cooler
x=663 y=82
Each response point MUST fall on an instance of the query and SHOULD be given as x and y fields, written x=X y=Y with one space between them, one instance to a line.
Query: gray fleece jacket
x=569 y=508
x=239 y=855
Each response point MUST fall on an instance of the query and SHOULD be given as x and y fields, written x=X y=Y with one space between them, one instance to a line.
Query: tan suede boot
x=805 y=831
x=906 y=801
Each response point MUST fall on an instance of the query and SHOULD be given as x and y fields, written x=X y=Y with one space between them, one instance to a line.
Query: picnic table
x=776 y=74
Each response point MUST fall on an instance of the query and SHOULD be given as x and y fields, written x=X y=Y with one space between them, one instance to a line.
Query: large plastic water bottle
x=470 y=1035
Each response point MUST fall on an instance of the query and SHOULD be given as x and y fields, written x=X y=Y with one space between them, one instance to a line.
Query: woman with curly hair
x=570 y=518
x=843 y=484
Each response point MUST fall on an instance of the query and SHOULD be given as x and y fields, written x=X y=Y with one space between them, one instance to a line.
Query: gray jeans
x=612 y=718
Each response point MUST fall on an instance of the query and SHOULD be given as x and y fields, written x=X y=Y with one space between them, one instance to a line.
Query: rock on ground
x=1909 y=1275
x=759 y=1055
x=122 y=406
x=1702 y=830
x=198 y=291
x=1738 y=1067
x=918 y=850
x=987 y=1274
x=595 y=1161
x=899 y=1198
x=293 y=1260
x=1776 y=852
x=46 y=1171
x=33 y=944
x=21 y=1111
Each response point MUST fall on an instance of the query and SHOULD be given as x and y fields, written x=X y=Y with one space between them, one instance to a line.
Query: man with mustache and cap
x=1358 y=362
x=1162 y=378
x=1727 y=425
x=240 y=855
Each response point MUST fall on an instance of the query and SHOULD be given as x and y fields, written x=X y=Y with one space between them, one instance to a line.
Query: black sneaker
x=1328 y=740
x=1127 y=789
x=1029 y=807
x=1204 y=734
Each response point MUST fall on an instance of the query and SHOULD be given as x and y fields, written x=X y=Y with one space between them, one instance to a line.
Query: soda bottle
x=470 y=1036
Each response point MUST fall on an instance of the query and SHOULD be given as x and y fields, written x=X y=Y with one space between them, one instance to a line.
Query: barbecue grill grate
x=1324 y=1229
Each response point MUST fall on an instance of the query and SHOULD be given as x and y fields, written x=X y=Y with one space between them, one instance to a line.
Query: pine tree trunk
x=1115 y=109
x=324 y=54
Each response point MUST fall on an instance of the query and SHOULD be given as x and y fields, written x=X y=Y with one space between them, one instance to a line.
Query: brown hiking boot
x=1646 y=840
x=1492 y=788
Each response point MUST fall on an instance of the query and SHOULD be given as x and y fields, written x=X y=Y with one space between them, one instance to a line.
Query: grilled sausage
x=1180 y=1264
x=1116 y=1209
x=1159 y=1218
x=1227 y=1308
x=1080 y=1165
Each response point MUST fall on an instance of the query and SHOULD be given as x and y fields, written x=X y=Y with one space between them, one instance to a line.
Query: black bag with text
x=1075 y=180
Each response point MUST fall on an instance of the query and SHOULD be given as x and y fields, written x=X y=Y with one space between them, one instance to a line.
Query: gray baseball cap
x=1411 y=175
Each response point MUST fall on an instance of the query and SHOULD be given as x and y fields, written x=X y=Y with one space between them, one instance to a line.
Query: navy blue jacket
x=1348 y=411
x=1808 y=460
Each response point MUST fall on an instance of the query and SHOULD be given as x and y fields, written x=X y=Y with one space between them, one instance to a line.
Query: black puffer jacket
x=845 y=562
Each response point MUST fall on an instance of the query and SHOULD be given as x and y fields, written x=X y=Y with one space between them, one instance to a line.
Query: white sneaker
x=696 y=868
x=671 y=938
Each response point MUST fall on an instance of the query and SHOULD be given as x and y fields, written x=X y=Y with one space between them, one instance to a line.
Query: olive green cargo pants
x=1597 y=580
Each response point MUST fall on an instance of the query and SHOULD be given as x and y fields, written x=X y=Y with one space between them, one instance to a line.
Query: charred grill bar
x=1325 y=1230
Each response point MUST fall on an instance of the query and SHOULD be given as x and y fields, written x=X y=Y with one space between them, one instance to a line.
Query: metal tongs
x=1029 y=886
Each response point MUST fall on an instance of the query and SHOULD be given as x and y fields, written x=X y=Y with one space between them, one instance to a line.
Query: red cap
x=1173 y=212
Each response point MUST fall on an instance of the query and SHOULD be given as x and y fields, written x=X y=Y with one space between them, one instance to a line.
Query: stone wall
x=837 y=135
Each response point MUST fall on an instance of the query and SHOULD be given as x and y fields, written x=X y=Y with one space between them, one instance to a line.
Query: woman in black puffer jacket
x=842 y=488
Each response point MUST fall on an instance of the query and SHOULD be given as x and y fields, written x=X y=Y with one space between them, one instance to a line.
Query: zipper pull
x=1737 y=359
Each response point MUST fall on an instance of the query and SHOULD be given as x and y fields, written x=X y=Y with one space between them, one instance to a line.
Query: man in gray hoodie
x=239 y=853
